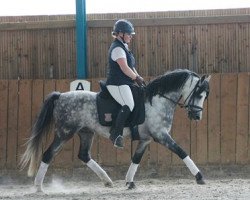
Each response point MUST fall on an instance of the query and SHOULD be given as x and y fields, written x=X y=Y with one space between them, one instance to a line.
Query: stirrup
x=118 y=143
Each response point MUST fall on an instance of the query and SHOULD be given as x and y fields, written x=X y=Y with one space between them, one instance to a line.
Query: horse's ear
x=208 y=78
x=203 y=78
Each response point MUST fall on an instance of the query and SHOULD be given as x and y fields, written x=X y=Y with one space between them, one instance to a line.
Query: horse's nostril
x=197 y=117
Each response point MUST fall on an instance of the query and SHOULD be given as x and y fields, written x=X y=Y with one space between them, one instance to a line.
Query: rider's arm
x=135 y=71
x=125 y=68
x=119 y=55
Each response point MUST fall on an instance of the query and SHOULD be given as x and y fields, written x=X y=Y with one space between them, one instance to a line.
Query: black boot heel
x=119 y=142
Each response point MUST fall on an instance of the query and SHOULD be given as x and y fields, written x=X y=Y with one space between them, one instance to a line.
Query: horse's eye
x=199 y=96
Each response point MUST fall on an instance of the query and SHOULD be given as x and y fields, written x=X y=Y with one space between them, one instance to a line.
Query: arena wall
x=221 y=138
x=209 y=41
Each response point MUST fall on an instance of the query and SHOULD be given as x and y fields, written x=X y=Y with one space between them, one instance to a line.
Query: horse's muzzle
x=194 y=112
x=193 y=115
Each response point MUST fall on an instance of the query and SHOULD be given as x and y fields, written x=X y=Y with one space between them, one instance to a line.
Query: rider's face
x=126 y=37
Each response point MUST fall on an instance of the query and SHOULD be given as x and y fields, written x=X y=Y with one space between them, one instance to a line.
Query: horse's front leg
x=167 y=140
x=86 y=138
x=141 y=147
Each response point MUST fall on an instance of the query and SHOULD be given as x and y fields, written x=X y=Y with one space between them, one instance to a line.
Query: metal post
x=81 y=39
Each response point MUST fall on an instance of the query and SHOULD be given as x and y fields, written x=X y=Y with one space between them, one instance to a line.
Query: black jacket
x=115 y=75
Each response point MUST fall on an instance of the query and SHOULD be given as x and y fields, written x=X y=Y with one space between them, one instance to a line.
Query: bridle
x=189 y=106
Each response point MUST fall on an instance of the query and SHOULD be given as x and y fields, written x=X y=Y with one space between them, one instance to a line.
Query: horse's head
x=196 y=90
x=186 y=84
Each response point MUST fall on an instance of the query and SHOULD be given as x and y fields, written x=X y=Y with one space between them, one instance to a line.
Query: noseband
x=190 y=105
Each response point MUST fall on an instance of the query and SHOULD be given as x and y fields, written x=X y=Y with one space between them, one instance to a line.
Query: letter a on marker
x=79 y=86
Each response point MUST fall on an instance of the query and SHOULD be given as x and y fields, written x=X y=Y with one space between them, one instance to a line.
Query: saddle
x=108 y=108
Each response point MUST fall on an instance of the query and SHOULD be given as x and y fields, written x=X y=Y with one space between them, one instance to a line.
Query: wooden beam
x=175 y=21
x=137 y=22
x=37 y=25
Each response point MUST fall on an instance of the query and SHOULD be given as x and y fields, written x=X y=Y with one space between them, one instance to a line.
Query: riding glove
x=140 y=81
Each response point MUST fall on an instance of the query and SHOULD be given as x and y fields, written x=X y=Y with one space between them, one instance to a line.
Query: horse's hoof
x=200 y=182
x=131 y=185
x=108 y=184
x=199 y=179
x=39 y=189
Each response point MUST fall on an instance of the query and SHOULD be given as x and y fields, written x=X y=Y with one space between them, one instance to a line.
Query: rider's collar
x=125 y=44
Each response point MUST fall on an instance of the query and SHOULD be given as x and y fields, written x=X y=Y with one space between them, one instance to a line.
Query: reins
x=182 y=105
x=173 y=101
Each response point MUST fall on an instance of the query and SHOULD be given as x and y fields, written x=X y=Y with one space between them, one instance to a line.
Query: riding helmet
x=123 y=26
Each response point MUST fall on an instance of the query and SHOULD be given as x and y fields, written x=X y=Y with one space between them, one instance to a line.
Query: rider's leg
x=123 y=95
x=116 y=133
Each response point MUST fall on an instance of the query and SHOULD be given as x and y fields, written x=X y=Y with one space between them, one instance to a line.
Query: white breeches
x=122 y=94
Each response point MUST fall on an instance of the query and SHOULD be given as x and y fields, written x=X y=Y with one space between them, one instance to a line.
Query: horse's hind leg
x=86 y=138
x=48 y=155
x=167 y=141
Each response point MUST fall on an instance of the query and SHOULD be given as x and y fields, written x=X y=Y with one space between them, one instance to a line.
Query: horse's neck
x=164 y=104
x=160 y=113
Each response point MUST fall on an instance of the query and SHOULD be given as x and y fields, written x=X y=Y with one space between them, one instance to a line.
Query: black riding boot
x=116 y=132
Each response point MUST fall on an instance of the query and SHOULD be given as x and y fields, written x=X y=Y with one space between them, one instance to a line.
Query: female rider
x=121 y=74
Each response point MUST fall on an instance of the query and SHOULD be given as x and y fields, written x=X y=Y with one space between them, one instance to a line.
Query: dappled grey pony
x=75 y=111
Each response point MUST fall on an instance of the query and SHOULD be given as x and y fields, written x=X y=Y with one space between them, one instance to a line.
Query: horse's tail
x=40 y=129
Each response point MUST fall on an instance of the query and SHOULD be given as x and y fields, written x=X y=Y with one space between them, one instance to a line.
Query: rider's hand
x=140 y=81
